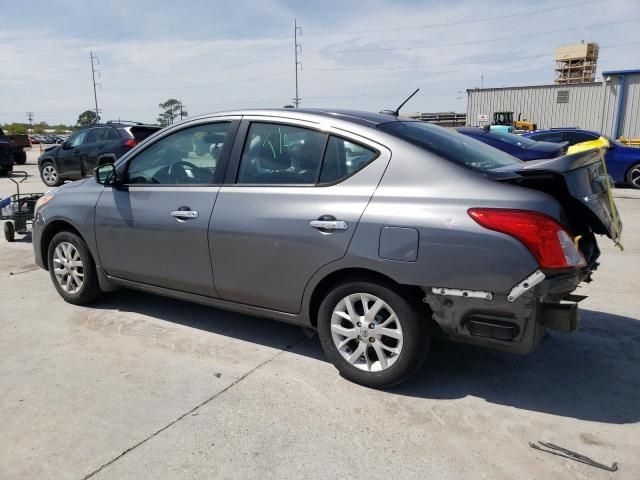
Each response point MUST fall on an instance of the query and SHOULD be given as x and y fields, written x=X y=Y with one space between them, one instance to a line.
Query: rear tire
x=72 y=269
x=9 y=231
x=395 y=328
x=50 y=175
x=633 y=176
x=20 y=158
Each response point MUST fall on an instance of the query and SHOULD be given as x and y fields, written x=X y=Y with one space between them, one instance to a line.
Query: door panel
x=154 y=229
x=139 y=239
x=69 y=159
x=263 y=247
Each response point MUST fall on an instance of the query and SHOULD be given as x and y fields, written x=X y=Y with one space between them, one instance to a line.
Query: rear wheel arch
x=51 y=230
x=337 y=277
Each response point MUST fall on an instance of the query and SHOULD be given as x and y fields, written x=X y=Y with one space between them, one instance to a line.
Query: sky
x=222 y=55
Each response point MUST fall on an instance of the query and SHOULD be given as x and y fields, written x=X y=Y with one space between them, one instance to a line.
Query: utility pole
x=93 y=74
x=297 y=49
x=182 y=115
x=30 y=117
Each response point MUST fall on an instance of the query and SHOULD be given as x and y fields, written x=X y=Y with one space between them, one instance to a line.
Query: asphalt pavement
x=143 y=387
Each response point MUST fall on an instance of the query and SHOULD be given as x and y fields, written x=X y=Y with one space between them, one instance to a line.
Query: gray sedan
x=377 y=231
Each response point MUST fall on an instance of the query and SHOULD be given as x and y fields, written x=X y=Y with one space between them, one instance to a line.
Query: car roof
x=368 y=119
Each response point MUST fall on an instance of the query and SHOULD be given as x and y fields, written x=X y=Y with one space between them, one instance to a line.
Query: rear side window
x=95 y=135
x=578 y=137
x=554 y=137
x=112 y=134
x=513 y=139
x=450 y=144
x=343 y=158
x=281 y=154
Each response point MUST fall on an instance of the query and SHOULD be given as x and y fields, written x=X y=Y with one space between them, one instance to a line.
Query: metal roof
x=622 y=72
x=523 y=87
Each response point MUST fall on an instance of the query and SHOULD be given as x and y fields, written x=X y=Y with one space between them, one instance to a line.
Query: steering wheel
x=184 y=166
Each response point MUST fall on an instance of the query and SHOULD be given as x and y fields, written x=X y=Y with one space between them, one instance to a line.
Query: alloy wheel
x=366 y=332
x=634 y=176
x=68 y=267
x=49 y=174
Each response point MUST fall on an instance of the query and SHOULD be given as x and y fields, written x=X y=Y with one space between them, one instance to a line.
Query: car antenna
x=396 y=112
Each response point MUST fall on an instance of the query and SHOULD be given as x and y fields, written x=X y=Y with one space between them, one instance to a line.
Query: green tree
x=87 y=118
x=40 y=127
x=15 y=128
x=171 y=109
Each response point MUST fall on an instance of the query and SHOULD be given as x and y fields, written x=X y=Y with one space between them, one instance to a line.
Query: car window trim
x=240 y=141
x=216 y=180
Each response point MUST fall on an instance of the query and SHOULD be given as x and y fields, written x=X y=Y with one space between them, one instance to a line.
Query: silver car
x=377 y=231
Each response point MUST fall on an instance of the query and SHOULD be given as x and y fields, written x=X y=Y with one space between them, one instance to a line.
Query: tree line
x=171 y=110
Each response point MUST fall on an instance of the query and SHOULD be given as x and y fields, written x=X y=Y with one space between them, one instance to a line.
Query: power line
x=204 y=84
x=421 y=67
x=461 y=22
x=218 y=52
x=221 y=67
x=473 y=42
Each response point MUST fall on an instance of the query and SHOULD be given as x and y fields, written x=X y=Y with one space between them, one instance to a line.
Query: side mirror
x=105 y=174
x=65 y=145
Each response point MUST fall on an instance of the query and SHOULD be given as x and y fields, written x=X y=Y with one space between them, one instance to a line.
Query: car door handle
x=329 y=224
x=182 y=215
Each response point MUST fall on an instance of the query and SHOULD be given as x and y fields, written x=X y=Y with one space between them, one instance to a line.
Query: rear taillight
x=130 y=143
x=545 y=238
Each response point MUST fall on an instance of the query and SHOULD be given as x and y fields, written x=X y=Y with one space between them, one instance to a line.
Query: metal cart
x=17 y=210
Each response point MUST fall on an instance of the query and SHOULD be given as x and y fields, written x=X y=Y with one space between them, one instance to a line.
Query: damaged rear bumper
x=513 y=321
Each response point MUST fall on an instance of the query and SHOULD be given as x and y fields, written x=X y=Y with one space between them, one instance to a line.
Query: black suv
x=88 y=148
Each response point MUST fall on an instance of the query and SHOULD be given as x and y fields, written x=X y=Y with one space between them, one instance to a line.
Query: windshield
x=450 y=144
x=513 y=139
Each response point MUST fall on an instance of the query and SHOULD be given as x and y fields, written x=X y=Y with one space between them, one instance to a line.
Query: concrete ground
x=143 y=387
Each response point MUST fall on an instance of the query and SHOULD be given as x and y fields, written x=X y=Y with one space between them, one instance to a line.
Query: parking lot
x=139 y=386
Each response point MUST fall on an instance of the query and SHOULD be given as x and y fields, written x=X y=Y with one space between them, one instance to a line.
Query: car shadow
x=591 y=374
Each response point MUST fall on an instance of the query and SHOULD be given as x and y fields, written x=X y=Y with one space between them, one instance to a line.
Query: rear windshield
x=450 y=144
x=513 y=139
x=140 y=133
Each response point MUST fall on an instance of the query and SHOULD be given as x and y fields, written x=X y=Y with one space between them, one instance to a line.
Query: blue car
x=623 y=162
x=516 y=145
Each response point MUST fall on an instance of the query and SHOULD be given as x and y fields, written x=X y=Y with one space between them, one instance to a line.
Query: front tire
x=371 y=334
x=72 y=269
x=50 y=175
x=633 y=176
x=9 y=231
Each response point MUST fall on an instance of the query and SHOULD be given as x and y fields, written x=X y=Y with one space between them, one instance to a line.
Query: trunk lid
x=580 y=183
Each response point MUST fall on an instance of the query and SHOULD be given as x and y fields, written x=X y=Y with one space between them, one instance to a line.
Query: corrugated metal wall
x=630 y=126
x=591 y=105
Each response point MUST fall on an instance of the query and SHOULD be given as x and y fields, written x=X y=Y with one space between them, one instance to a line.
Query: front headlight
x=43 y=200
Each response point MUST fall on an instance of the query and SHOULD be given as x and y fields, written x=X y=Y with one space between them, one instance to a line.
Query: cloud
x=223 y=55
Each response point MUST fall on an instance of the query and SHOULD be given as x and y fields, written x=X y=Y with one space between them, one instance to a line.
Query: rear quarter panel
x=424 y=192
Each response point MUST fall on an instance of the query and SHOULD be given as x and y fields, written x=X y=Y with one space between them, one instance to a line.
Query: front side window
x=77 y=139
x=186 y=157
x=450 y=144
x=281 y=154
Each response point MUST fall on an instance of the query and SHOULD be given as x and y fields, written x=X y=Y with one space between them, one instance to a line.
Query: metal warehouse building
x=611 y=106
